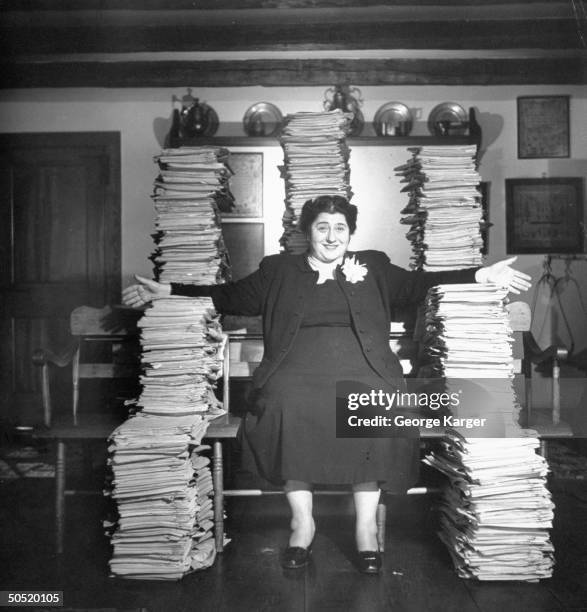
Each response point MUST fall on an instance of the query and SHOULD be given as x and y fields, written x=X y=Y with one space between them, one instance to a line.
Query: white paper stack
x=161 y=483
x=189 y=245
x=468 y=332
x=315 y=163
x=444 y=210
x=496 y=511
x=182 y=345
x=164 y=494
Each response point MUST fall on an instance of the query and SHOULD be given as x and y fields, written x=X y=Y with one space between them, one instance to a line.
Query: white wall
x=142 y=116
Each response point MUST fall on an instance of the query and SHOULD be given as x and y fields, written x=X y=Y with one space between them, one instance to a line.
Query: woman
x=326 y=318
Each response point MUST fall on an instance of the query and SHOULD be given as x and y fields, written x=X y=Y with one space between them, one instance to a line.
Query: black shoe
x=295 y=557
x=370 y=561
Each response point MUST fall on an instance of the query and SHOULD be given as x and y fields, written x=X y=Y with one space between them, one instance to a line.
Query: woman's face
x=329 y=236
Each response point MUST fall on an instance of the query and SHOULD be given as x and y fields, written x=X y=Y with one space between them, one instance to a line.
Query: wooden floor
x=417 y=576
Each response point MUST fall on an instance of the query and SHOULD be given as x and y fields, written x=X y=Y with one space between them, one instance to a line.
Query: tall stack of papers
x=316 y=160
x=468 y=332
x=161 y=483
x=496 y=511
x=444 y=210
x=189 y=245
x=182 y=344
x=163 y=491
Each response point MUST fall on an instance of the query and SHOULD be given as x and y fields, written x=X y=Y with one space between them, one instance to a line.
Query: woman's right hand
x=145 y=291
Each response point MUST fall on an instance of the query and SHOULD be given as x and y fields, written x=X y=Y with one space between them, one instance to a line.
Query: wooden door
x=59 y=248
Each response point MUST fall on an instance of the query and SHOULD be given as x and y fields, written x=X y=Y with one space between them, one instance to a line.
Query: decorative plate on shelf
x=393 y=119
x=262 y=119
x=448 y=119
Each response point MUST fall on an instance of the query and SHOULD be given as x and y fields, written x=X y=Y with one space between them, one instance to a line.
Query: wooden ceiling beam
x=286 y=16
x=235 y=5
x=539 y=34
x=273 y=73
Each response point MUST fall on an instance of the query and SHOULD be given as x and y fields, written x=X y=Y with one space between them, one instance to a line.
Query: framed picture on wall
x=246 y=185
x=543 y=127
x=544 y=215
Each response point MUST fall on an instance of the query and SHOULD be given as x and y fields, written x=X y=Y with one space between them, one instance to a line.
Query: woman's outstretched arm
x=243 y=297
x=411 y=287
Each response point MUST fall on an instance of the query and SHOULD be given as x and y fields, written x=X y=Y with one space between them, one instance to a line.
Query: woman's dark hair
x=328 y=204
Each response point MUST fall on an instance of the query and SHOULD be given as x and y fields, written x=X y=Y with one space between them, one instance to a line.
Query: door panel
x=60 y=243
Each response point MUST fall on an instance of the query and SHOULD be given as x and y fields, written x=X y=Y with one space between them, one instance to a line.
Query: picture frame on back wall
x=543 y=127
x=243 y=225
x=544 y=215
x=246 y=185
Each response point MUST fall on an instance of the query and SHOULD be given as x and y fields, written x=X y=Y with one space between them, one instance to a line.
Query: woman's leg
x=299 y=495
x=366 y=497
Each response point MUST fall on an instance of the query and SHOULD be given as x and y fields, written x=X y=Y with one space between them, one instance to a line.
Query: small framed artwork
x=246 y=185
x=543 y=127
x=544 y=215
x=245 y=245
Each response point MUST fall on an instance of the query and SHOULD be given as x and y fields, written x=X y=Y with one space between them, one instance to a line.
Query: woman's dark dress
x=294 y=437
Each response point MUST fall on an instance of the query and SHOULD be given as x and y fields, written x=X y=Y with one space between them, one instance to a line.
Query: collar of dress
x=303 y=264
x=325 y=269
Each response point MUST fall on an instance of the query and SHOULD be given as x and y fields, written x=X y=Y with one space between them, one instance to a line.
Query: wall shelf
x=360 y=141
x=473 y=137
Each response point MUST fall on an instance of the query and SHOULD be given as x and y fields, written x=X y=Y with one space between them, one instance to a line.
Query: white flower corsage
x=354 y=271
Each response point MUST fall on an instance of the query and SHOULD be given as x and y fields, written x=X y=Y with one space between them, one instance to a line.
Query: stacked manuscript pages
x=189 y=245
x=316 y=162
x=444 y=209
x=496 y=511
x=163 y=489
x=161 y=482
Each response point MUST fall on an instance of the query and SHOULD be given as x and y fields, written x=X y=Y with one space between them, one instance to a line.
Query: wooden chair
x=114 y=328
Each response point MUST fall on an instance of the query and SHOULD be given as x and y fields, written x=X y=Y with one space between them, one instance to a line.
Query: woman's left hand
x=503 y=275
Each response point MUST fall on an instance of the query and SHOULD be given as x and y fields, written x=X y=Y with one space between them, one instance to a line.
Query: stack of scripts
x=189 y=245
x=162 y=485
x=496 y=511
x=163 y=489
x=315 y=163
x=468 y=333
x=182 y=344
x=444 y=209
